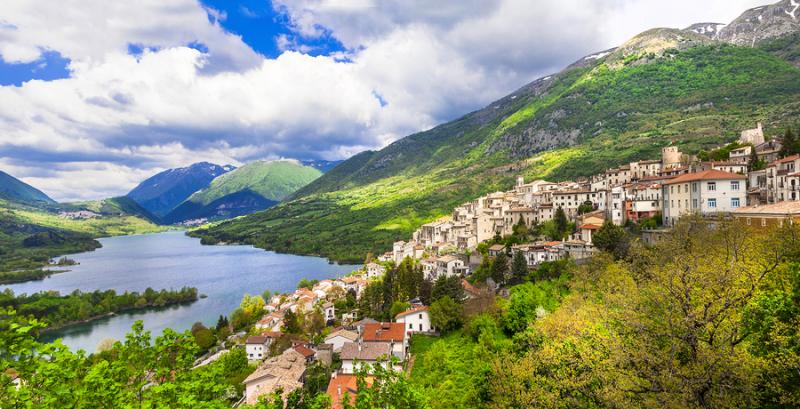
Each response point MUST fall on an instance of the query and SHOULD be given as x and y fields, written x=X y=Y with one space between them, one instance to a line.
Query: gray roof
x=368 y=351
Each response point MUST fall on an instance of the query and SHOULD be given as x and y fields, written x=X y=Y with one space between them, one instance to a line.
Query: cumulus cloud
x=119 y=118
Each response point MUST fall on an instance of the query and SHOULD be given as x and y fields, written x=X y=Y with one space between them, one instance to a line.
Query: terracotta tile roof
x=271 y=334
x=411 y=311
x=781 y=208
x=305 y=351
x=384 y=332
x=706 y=175
x=342 y=384
x=590 y=226
x=367 y=351
x=284 y=371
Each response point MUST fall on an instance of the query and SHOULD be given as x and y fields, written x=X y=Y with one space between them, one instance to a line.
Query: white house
x=339 y=338
x=707 y=192
x=415 y=320
x=329 y=310
x=257 y=347
x=375 y=270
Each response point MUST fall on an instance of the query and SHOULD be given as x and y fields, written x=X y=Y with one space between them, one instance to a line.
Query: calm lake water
x=173 y=260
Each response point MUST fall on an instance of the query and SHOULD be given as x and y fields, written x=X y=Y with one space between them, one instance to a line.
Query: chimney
x=339 y=390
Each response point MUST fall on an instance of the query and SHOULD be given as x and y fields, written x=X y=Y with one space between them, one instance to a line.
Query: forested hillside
x=662 y=87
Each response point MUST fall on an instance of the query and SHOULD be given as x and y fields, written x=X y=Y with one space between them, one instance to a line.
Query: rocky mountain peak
x=763 y=23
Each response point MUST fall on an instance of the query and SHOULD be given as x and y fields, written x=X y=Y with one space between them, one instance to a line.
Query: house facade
x=705 y=193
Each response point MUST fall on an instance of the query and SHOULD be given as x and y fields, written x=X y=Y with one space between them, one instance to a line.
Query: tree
x=561 y=223
x=266 y=295
x=204 y=338
x=386 y=388
x=500 y=268
x=519 y=266
x=790 y=145
x=755 y=162
x=291 y=323
x=611 y=239
x=446 y=314
x=222 y=322
x=586 y=207
x=398 y=307
x=449 y=286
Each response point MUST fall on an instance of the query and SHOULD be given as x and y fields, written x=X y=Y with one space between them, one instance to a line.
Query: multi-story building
x=706 y=192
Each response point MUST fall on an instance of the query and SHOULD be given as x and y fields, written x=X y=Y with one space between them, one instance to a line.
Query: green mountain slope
x=664 y=86
x=274 y=180
x=15 y=190
x=248 y=189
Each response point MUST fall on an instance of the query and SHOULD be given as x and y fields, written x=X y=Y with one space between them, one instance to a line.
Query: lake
x=174 y=260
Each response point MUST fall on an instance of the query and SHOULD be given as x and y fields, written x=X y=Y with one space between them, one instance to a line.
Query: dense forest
x=58 y=310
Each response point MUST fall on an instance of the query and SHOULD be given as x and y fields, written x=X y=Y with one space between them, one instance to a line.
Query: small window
x=748 y=221
x=694 y=203
x=763 y=222
x=410 y=326
x=712 y=203
x=734 y=202
x=712 y=186
x=735 y=185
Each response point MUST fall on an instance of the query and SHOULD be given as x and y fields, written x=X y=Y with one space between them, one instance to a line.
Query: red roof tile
x=384 y=332
x=706 y=175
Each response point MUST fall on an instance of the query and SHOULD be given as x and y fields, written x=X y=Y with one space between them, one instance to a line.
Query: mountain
x=161 y=193
x=113 y=207
x=764 y=23
x=15 y=190
x=664 y=86
x=323 y=165
x=248 y=189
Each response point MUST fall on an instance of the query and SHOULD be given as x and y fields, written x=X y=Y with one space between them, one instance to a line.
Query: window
x=694 y=187
x=735 y=185
x=712 y=186
x=694 y=203
x=763 y=222
x=712 y=203
x=410 y=326
x=734 y=202
x=420 y=316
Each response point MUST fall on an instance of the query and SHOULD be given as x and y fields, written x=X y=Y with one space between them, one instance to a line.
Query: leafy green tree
x=611 y=238
x=519 y=266
x=398 y=307
x=586 y=207
x=500 y=268
x=790 y=145
x=291 y=323
x=388 y=389
x=449 y=286
x=222 y=322
x=561 y=223
x=446 y=314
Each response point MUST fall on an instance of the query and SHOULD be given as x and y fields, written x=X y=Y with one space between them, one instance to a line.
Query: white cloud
x=413 y=66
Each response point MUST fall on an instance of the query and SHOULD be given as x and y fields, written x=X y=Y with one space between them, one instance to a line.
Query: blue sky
x=97 y=95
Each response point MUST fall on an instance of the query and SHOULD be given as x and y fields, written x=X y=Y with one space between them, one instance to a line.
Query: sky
x=97 y=95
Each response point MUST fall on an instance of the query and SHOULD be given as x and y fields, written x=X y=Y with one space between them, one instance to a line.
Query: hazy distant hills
x=15 y=190
x=248 y=189
x=696 y=88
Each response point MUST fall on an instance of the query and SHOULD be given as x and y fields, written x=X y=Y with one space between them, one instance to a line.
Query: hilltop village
x=753 y=184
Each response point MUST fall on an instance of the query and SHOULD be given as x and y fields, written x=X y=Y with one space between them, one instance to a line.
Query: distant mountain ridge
x=164 y=191
x=248 y=189
x=15 y=190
